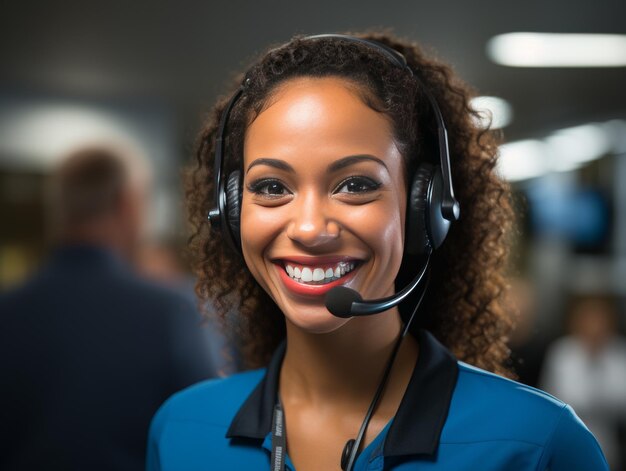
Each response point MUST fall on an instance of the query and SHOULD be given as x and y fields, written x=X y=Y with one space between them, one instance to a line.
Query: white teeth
x=319 y=275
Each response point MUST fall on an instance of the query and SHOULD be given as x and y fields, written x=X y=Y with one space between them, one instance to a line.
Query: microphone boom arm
x=358 y=307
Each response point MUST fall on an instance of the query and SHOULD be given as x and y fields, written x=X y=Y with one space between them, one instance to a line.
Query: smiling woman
x=329 y=171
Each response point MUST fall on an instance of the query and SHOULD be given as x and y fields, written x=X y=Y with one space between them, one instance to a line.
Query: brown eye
x=357 y=185
x=273 y=188
x=269 y=188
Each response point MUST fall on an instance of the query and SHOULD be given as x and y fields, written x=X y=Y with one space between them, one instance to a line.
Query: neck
x=101 y=234
x=348 y=364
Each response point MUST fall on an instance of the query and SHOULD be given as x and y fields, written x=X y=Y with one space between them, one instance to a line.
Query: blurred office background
x=144 y=72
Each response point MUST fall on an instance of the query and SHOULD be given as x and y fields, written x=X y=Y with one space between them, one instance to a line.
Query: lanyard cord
x=350 y=451
x=279 y=441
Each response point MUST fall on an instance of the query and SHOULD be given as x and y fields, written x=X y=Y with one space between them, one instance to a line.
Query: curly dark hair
x=463 y=306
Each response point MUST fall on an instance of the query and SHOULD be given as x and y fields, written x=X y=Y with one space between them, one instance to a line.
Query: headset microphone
x=345 y=302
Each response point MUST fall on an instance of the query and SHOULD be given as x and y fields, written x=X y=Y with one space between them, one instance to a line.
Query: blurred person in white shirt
x=587 y=369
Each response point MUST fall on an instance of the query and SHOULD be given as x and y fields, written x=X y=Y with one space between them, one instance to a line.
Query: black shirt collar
x=254 y=419
x=418 y=423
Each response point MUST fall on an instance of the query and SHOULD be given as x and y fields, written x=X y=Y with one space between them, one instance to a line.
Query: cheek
x=381 y=227
x=392 y=244
x=389 y=249
x=390 y=241
x=259 y=227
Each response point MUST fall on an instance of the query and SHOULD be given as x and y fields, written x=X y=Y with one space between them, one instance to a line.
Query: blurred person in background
x=587 y=368
x=162 y=261
x=528 y=341
x=89 y=350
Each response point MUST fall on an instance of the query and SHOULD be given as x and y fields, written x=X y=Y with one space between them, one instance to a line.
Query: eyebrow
x=352 y=160
x=276 y=163
x=337 y=165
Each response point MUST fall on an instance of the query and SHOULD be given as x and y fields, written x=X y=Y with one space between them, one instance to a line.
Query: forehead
x=318 y=117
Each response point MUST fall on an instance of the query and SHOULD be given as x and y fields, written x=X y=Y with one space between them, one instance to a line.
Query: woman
x=331 y=168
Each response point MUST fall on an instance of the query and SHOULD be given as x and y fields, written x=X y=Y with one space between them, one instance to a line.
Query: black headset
x=431 y=203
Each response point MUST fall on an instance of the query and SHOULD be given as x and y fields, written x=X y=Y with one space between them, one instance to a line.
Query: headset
x=431 y=208
x=431 y=203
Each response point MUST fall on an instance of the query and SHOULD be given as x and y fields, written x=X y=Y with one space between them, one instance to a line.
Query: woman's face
x=324 y=199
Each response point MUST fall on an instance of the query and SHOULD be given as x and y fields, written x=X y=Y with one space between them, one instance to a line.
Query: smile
x=315 y=276
x=318 y=275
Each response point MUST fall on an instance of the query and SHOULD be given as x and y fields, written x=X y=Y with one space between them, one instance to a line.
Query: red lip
x=311 y=290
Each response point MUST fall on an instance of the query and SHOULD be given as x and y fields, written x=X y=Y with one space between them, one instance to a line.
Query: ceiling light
x=495 y=113
x=616 y=130
x=571 y=147
x=563 y=150
x=36 y=135
x=558 y=50
x=522 y=160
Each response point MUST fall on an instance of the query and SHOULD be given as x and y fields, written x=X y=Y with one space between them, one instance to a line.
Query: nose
x=312 y=224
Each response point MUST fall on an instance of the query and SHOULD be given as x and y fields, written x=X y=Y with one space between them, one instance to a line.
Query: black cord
x=350 y=451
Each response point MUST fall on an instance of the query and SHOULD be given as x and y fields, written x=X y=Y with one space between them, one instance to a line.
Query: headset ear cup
x=233 y=206
x=416 y=240
x=426 y=228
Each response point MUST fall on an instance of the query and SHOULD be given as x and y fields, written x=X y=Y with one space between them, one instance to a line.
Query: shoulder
x=502 y=408
x=498 y=391
x=159 y=294
x=487 y=408
x=110 y=282
x=23 y=290
x=189 y=430
x=145 y=298
x=212 y=403
x=28 y=297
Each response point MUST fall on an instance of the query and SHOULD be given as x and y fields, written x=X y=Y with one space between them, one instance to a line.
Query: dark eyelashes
x=258 y=186
x=360 y=184
x=275 y=188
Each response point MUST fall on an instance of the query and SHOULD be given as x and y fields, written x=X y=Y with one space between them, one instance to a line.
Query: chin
x=314 y=319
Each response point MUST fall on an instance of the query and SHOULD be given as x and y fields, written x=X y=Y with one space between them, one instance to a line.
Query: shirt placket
x=373 y=460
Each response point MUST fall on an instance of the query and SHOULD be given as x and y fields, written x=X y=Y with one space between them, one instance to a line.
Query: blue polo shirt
x=453 y=417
